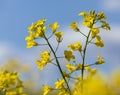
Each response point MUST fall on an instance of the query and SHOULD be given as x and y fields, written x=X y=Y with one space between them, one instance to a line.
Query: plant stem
x=59 y=67
x=84 y=53
x=82 y=33
x=89 y=65
x=83 y=60
x=57 y=48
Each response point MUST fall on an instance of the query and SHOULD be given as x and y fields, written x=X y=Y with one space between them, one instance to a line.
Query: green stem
x=57 y=48
x=82 y=33
x=58 y=64
x=83 y=60
x=83 y=57
x=89 y=65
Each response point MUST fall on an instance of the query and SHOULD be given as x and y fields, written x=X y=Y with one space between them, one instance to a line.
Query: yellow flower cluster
x=59 y=85
x=17 y=91
x=10 y=84
x=45 y=58
x=7 y=79
x=90 y=20
x=58 y=34
x=68 y=55
x=98 y=85
x=37 y=29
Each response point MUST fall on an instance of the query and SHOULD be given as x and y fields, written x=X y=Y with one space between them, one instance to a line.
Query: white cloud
x=111 y=5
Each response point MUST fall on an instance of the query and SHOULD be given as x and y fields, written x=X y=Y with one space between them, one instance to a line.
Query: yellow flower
x=37 y=29
x=94 y=31
x=30 y=37
x=59 y=84
x=40 y=22
x=45 y=58
x=41 y=64
x=82 y=14
x=89 y=18
x=68 y=55
x=54 y=26
x=75 y=46
x=63 y=92
x=88 y=21
x=59 y=36
x=100 y=60
x=9 y=83
x=87 y=68
x=34 y=26
x=30 y=44
x=47 y=89
x=74 y=26
x=99 y=42
x=78 y=67
x=7 y=79
x=105 y=25
x=71 y=68
x=101 y=16
x=31 y=27
x=40 y=31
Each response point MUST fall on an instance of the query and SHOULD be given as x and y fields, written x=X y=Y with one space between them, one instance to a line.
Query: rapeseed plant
x=84 y=84
x=10 y=84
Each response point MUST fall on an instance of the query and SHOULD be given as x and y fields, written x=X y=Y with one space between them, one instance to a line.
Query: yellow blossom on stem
x=30 y=37
x=63 y=92
x=45 y=58
x=105 y=25
x=34 y=26
x=99 y=42
x=94 y=32
x=40 y=22
x=79 y=67
x=59 y=36
x=54 y=26
x=41 y=64
x=30 y=44
x=68 y=55
x=75 y=46
x=82 y=14
x=100 y=60
x=66 y=75
x=71 y=68
x=47 y=89
x=88 y=21
x=101 y=16
x=40 y=32
x=37 y=29
x=74 y=26
x=59 y=84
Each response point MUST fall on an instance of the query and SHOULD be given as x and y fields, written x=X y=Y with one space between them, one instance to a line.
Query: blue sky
x=17 y=15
